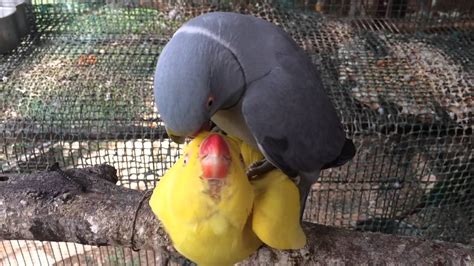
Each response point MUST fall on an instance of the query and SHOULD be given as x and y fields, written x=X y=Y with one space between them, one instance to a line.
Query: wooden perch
x=47 y=206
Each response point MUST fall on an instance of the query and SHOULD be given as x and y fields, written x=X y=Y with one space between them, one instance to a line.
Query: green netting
x=78 y=91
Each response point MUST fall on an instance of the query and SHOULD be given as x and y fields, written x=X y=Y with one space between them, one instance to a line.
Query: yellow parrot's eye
x=242 y=160
x=186 y=158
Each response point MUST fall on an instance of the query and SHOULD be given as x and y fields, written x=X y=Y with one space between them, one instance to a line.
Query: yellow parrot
x=276 y=210
x=204 y=202
x=214 y=215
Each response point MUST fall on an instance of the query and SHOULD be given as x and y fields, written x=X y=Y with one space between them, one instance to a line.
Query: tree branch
x=46 y=206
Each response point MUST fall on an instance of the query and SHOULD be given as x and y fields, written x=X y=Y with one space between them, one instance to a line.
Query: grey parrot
x=253 y=81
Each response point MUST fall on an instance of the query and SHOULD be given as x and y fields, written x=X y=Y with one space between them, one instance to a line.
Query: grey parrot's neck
x=233 y=123
x=228 y=81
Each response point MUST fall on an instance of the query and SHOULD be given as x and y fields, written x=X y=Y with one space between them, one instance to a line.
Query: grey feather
x=296 y=124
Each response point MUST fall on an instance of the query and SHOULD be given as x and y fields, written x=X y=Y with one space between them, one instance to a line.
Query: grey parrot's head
x=195 y=77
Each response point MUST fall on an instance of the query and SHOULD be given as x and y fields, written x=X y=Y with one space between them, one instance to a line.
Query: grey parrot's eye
x=210 y=101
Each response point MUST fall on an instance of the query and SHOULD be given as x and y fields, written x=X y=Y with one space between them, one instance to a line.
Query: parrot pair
x=211 y=211
x=252 y=80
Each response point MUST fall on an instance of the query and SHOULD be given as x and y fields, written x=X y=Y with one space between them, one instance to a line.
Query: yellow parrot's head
x=217 y=160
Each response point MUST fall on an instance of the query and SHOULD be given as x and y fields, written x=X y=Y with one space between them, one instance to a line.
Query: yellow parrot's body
x=221 y=221
x=207 y=220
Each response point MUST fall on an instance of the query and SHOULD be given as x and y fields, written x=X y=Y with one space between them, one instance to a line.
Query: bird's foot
x=259 y=168
x=55 y=168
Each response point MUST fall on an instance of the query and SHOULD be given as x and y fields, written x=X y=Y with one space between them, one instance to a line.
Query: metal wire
x=78 y=91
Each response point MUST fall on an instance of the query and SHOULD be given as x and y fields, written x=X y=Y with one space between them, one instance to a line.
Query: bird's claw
x=259 y=168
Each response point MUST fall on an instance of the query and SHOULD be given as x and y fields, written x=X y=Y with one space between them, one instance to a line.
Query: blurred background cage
x=78 y=90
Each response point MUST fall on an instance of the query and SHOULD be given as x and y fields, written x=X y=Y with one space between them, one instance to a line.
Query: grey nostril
x=3 y=178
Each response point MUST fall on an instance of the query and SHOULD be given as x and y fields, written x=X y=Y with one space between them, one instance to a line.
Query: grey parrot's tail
x=306 y=180
x=348 y=152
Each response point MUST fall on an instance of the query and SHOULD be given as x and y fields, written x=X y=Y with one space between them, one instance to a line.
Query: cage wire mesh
x=78 y=91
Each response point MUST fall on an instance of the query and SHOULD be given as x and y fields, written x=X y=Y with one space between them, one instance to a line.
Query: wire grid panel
x=79 y=91
x=393 y=9
x=20 y=252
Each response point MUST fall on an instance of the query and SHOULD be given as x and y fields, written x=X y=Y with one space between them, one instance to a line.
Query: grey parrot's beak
x=175 y=138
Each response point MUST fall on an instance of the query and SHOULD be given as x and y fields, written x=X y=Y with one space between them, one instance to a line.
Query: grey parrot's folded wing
x=348 y=152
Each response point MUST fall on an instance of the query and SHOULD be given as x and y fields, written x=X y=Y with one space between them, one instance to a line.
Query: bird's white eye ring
x=210 y=101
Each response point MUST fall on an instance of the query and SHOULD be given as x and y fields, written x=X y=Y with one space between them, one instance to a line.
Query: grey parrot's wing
x=292 y=118
x=348 y=152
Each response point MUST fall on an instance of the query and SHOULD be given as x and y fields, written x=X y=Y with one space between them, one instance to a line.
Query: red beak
x=215 y=158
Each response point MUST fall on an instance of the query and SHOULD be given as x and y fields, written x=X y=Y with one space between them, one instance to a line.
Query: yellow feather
x=276 y=210
x=203 y=229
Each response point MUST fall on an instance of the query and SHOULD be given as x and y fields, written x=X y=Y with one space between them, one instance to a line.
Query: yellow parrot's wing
x=276 y=209
x=276 y=212
x=161 y=196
